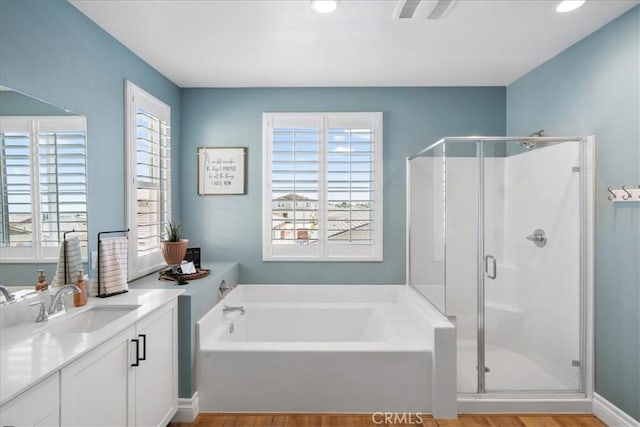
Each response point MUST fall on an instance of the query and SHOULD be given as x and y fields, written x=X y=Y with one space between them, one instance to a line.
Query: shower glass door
x=426 y=225
x=529 y=267
x=461 y=186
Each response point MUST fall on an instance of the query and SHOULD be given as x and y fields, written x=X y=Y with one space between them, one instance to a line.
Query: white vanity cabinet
x=156 y=377
x=38 y=406
x=132 y=379
x=96 y=389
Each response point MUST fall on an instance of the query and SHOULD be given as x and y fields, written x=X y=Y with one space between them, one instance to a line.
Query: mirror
x=43 y=182
x=15 y=103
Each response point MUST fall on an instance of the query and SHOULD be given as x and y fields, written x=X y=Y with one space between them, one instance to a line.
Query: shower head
x=527 y=144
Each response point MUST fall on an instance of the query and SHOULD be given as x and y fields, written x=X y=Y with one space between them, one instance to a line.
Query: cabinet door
x=96 y=389
x=157 y=376
x=38 y=406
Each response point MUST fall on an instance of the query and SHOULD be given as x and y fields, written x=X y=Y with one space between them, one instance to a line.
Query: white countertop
x=29 y=353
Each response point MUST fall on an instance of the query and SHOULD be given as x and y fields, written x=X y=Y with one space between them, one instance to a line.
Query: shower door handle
x=494 y=269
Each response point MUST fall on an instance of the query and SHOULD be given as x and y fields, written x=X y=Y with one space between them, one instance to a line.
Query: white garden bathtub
x=326 y=348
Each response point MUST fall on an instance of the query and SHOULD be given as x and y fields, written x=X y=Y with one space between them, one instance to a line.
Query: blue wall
x=48 y=49
x=229 y=228
x=14 y=103
x=594 y=88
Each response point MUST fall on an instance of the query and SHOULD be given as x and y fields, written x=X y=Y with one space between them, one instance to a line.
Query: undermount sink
x=90 y=320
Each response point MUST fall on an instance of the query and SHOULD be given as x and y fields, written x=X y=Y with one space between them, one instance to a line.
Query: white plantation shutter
x=44 y=185
x=62 y=173
x=16 y=208
x=323 y=175
x=149 y=178
x=351 y=183
x=152 y=177
x=293 y=206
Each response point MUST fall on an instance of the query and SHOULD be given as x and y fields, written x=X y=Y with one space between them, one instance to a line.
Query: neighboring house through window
x=323 y=187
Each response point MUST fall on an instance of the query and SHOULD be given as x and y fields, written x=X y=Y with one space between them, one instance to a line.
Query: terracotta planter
x=173 y=252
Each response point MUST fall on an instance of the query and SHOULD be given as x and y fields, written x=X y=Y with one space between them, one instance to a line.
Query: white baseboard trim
x=188 y=409
x=473 y=405
x=610 y=414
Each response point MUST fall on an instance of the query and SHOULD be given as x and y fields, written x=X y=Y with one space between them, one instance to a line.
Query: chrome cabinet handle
x=494 y=268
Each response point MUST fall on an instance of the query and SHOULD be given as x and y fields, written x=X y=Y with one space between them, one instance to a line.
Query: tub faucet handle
x=224 y=289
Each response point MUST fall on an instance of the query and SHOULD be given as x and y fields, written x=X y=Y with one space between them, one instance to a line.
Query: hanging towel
x=74 y=262
x=112 y=276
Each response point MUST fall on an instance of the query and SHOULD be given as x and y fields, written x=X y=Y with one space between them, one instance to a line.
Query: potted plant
x=173 y=247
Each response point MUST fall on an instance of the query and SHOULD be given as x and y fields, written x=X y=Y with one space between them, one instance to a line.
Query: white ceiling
x=283 y=43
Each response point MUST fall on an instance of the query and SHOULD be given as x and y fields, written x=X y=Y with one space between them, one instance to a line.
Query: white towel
x=74 y=262
x=112 y=275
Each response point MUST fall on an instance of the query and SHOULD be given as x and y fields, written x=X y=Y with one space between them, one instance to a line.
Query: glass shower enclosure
x=496 y=242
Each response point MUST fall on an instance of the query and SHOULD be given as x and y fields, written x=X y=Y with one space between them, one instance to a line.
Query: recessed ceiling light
x=569 y=5
x=324 y=6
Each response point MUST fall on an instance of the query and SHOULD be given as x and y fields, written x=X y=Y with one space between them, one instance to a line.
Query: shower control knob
x=538 y=238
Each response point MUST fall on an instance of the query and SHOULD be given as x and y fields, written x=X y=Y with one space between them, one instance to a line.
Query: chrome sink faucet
x=57 y=303
x=228 y=309
x=43 y=316
x=8 y=296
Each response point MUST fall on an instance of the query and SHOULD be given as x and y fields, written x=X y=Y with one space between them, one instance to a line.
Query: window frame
x=325 y=250
x=36 y=126
x=135 y=98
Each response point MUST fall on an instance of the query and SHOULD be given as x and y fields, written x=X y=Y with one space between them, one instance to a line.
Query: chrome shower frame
x=527 y=401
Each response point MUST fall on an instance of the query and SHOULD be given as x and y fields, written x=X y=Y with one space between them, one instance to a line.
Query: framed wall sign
x=222 y=170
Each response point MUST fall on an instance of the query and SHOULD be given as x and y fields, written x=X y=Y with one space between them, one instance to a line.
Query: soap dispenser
x=42 y=284
x=80 y=298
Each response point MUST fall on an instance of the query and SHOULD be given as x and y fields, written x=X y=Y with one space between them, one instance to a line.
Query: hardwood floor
x=328 y=420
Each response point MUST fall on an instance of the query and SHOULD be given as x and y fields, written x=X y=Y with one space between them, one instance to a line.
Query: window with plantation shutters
x=323 y=187
x=62 y=181
x=149 y=178
x=44 y=185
